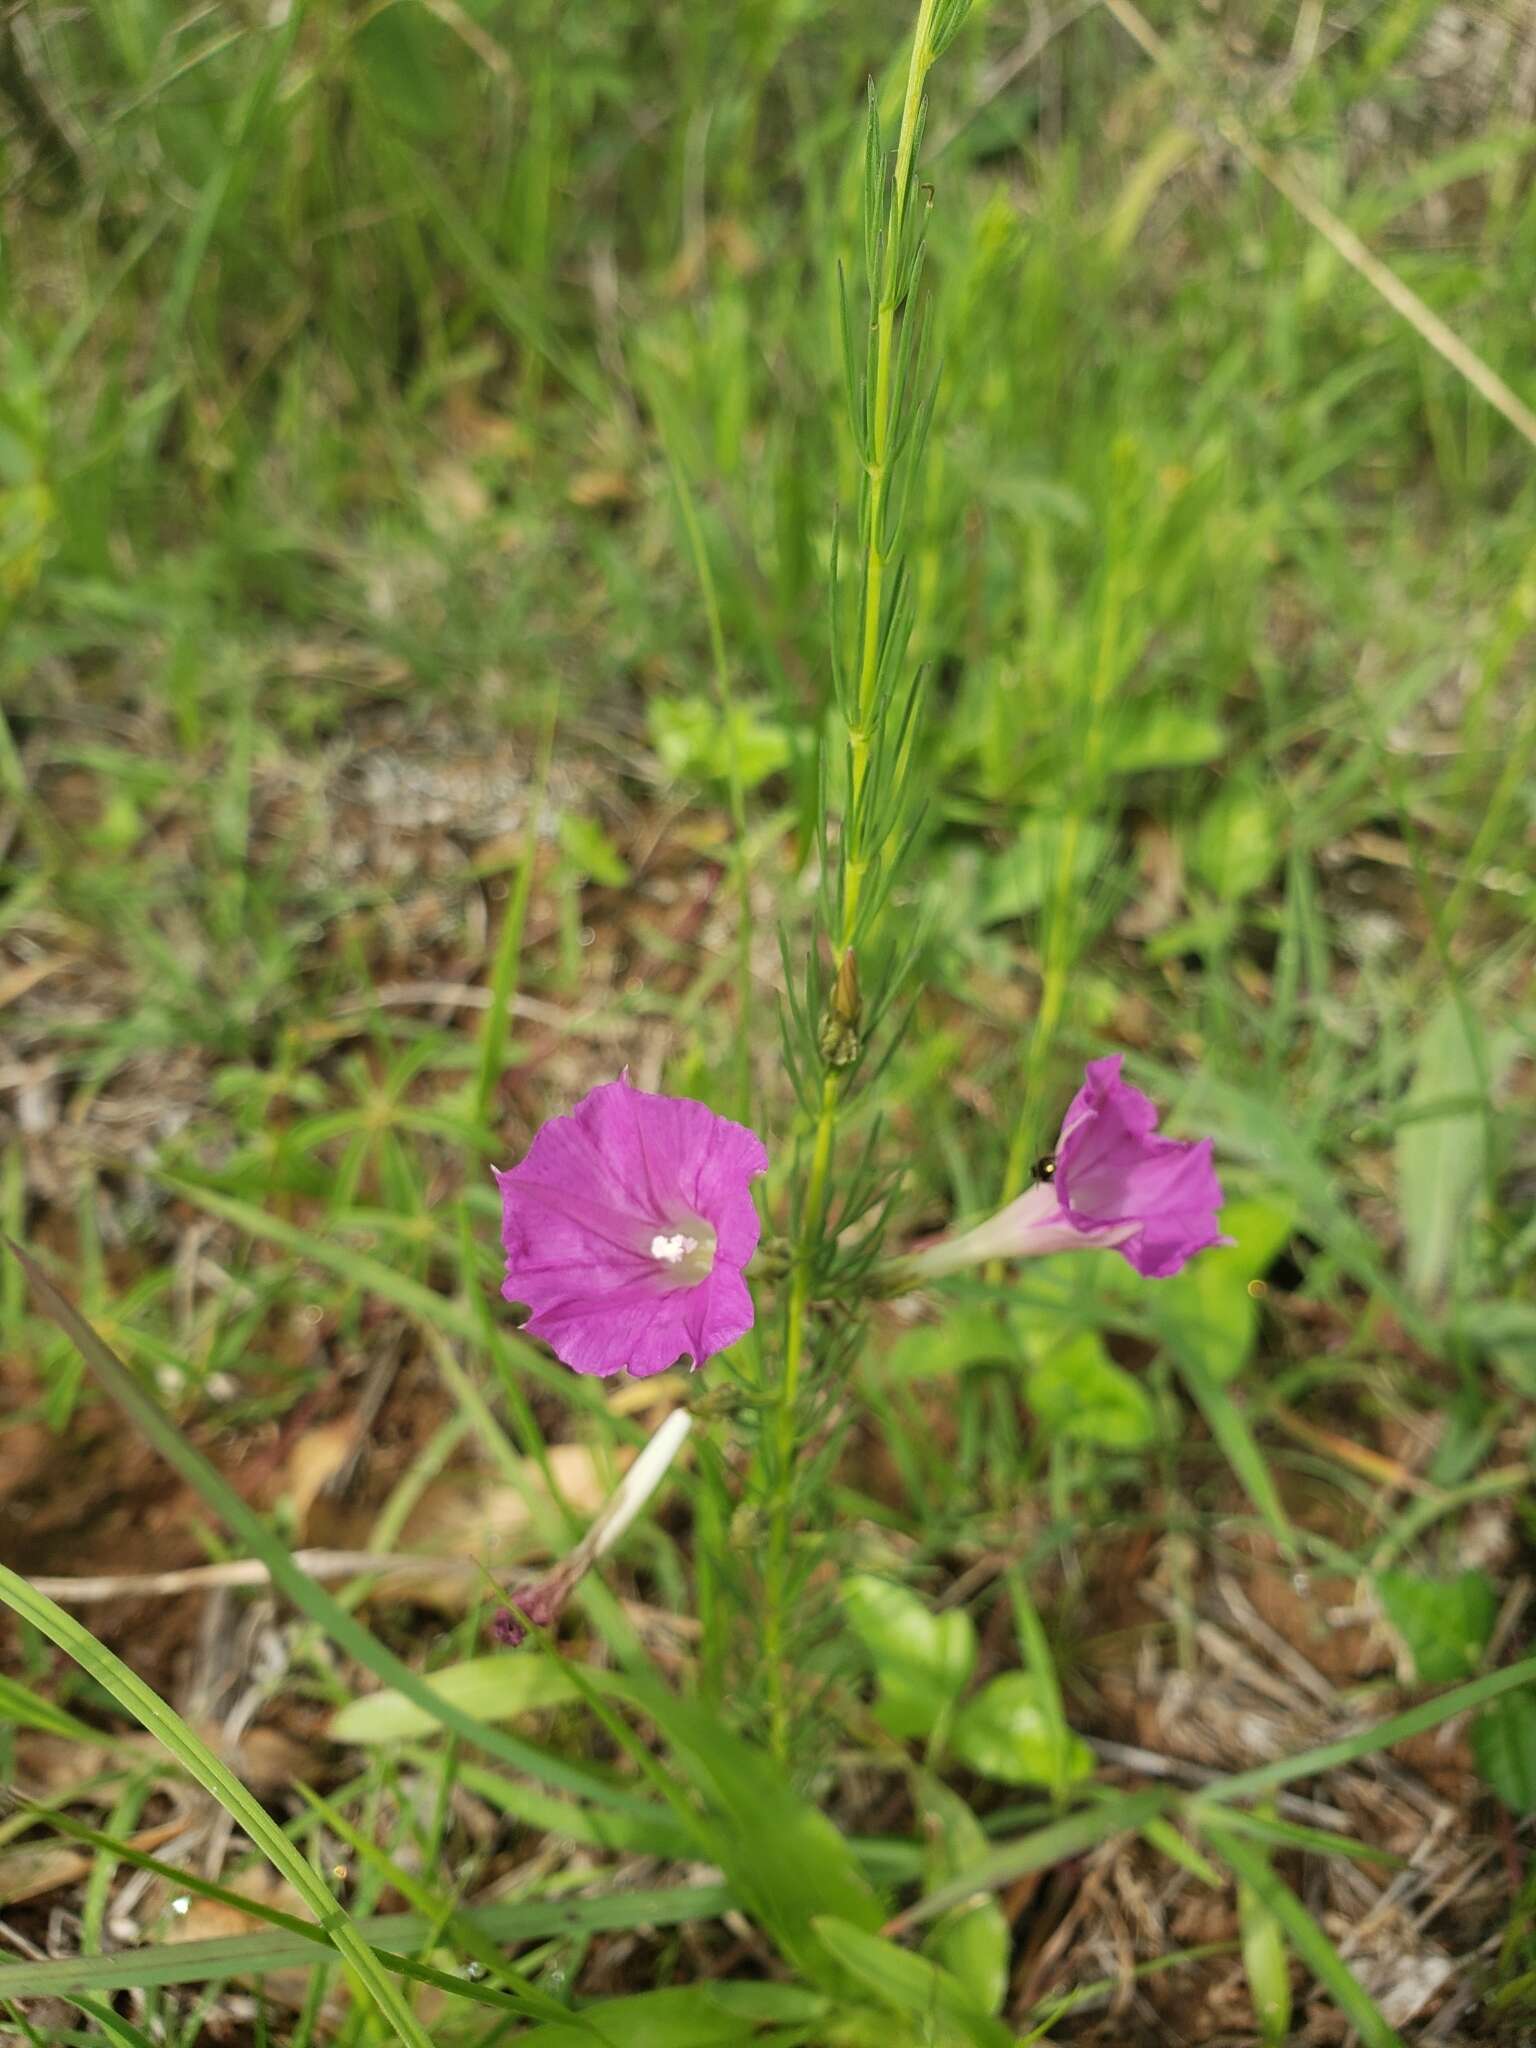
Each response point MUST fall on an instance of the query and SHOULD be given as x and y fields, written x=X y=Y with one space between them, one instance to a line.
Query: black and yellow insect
x=1044 y=1169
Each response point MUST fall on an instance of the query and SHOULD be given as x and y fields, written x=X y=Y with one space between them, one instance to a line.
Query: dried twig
x=249 y=1571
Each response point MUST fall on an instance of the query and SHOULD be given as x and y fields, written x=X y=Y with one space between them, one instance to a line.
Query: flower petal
x=717 y=1313
x=632 y=1329
x=1114 y=1168
x=582 y=1211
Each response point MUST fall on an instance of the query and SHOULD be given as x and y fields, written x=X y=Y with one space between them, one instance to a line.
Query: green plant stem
x=855 y=866
x=880 y=441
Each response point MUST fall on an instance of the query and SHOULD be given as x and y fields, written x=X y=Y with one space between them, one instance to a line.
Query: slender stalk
x=855 y=859
x=880 y=440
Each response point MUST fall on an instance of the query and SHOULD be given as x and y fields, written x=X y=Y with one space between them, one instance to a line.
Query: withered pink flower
x=1113 y=1181
x=626 y=1229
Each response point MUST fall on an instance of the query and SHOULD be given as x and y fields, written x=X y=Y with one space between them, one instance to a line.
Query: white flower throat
x=685 y=1256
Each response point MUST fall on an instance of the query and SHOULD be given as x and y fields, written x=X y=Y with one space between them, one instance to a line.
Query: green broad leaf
x=764 y=2004
x=589 y=850
x=1208 y=1305
x=1504 y=1744
x=1267 y=1965
x=1237 y=841
x=28 y=518
x=1080 y=1395
x=1159 y=735
x=973 y=1942
x=1209 y=931
x=1006 y=1732
x=401 y=53
x=911 y=1984
x=971 y=1336
x=1445 y=1624
x=692 y=739
x=1441 y=1147
x=689 y=2016
x=1041 y=1849
x=1040 y=1663
x=496 y=1688
x=784 y=1861
x=1049 y=847
x=922 y=1660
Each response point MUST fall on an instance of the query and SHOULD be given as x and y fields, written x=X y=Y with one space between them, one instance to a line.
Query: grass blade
x=1037 y=1851
x=1333 y=1756
x=1229 y=1426
x=168 y=1728
x=252 y=1955
x=1308 y=1940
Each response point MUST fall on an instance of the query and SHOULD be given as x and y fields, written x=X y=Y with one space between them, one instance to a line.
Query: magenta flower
x=1113 y=1181
x=626 y=1228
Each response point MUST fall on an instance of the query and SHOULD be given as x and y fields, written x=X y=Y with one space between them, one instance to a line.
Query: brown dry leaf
x=17 y=982
x=317 y=1456
x=213 y=1920
x=470 y=427
x=74 y=1773
x=1404 y=1981
x=270 y=1760
x=475 y=1514
x=1161 y=861
x=210 y=1919
x=590 y=488
x=1135 y=1021
x=40 y=1867
x=1342 y=1653
x=687 y=267
x=726 y=238
x=453 y=496
x=26 y=1447
x=36 y=1868
x=736 y=245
